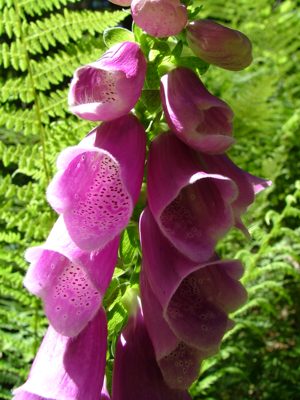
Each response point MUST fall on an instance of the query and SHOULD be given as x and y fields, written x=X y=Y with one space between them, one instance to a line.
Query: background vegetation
x=42 y=42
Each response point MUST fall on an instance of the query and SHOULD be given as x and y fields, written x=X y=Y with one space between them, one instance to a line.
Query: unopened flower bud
x=218 y=45
x=160 y=18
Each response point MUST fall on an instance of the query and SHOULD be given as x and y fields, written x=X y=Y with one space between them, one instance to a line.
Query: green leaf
x=151 y=100
x=193 y=63
x=113 y=36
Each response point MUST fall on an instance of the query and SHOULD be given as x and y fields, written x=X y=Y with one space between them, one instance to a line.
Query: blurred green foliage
x=42 y=42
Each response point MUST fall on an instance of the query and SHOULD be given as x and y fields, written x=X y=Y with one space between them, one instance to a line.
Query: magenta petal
x=68 y=368
x=125 y=139
x=169 y=349
x=110 y=87
x=136 y=374
x=192 y=207
x=198 y=118
x=192 y=299
x=160 y=18
x=198 y=309
x=70 y=282
x=248 y=185
x=99 y=182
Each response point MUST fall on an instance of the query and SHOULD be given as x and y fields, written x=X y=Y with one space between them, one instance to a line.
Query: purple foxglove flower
x=136 y=374
x=178 y=361
x=192 y=207
x=248 y=185
x=185 y=304
x=99 y=181
x=196 y=198
x=68 y=368
x=160 y=18
x=70 y=281
x=198 y=118
x=218 y=45
x=109 y=88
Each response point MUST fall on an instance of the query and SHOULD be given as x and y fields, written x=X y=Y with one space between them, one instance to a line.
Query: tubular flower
x=160 y=18
x=189 y=302
x=192 y=207
x=218 y=45
x=136 y=374
x=194 y=201
x=70 y=281
x=248 y=185
x=68 y=368
x=109 y=88
x=198 y=118
x=99 y=181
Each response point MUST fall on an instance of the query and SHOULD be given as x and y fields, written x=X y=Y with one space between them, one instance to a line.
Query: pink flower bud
x=160 y=18
x=218 y=45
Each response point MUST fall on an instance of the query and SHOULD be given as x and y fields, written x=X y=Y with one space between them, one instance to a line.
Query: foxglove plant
x=196 y=194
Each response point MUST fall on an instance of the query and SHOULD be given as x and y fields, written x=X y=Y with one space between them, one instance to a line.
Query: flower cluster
x=196 y=194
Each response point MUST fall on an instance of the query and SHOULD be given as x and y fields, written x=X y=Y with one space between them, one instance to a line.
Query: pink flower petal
x=136 y=374
x=99 y=182
x=192 y=207
x=68 y=368
x=198 y=118
x=70 y=282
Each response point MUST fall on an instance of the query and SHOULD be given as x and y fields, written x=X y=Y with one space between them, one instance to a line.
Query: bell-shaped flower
x=193 y=201
x=201 y=120
x=136 y=374
x=68 y=368
x=219 y=45
x=160 y=18
x=99 y=181
x=192 y=207
x=71 y=282
x=110 y=87
x=248 y=185
x=185 y=304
